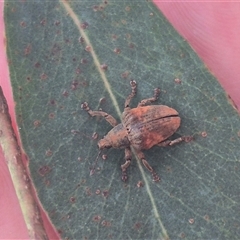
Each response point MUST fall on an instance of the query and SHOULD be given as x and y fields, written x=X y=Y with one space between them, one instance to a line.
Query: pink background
x=212 y=29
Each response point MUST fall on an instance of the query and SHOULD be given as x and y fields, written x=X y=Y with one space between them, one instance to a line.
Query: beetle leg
x=128 y=158
x=141 y=156
x=132 y=94
x=92 y=113
x=150 y=100
x=175 y=141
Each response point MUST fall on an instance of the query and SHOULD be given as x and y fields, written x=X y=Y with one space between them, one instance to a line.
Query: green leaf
x=53 y=70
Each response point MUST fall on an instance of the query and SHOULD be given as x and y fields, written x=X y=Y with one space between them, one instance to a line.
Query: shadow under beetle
x=141 y=128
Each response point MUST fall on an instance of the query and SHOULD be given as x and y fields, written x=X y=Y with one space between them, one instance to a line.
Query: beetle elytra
x=141 y=128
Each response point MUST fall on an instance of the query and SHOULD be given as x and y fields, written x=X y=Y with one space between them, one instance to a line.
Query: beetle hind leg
x=155 y=177
x=150 y=100
x=128 y=158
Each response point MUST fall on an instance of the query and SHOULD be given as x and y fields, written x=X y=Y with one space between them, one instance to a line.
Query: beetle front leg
x=132 y=94
x=128 y=158
x=141 y=156
x=175 y=141
x=92 y=113
x=150 y=100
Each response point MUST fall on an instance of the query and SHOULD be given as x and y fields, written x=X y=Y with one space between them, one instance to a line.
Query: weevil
x=141 y=128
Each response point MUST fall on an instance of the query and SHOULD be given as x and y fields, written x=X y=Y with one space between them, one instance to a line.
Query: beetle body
x=142 y=128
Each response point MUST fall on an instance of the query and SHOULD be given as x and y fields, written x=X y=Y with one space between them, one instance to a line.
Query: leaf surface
x=64 y=53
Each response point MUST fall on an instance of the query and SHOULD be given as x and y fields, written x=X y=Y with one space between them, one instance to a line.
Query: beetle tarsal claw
x=133 y=83
x=156 y=178
x=84 y=105
x=124 y=176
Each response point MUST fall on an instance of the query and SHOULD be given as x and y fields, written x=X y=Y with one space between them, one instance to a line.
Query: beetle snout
x=104 y=144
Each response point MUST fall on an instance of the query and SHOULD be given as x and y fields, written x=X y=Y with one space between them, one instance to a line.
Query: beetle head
x=116 y=138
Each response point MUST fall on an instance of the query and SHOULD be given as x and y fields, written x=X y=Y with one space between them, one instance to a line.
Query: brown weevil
x=142 y=128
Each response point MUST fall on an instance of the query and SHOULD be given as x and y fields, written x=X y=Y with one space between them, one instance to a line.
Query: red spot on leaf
x=44 y=170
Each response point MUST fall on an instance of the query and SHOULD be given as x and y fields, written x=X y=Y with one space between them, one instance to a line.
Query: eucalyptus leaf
x=62 y=53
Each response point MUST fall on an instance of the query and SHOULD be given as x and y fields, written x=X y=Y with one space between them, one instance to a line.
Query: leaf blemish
x=104 y=67
x=117 y=50
x=88 y=191
x=169 y=169
x=191 y=220
x=44 y=76
x=131 y=45
x=125 y=74
x=84 y=25
x=23 y=24
x=88 y=48
x=72 y=199
x=81 y=40
x=74 y=85
x=98 y=191
x=78 y=71
x=182 y=235
x=140 y=184
x=52 y=102
x=177 y=80
x=57 y=23
x=49 y=153
x=36 y=123
x=84 y=61
x=95 y=8
x=65 y=93
x=51 y=115
x=114 y=37
x=44 y=170
x=37 y=65
x=206 y=217
x=96 y=218
x=28 y=49
x=105 y=193
x=127 y=9
x=43 y=22
x=137 y=225
x=204 y=134
x=105 y=223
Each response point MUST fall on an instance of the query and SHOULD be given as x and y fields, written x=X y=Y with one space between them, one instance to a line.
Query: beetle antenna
x=95 y=163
